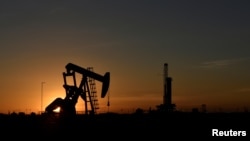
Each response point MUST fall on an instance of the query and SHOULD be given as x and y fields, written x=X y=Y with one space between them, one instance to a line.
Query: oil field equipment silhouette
x=86 y=90
x=167 y=105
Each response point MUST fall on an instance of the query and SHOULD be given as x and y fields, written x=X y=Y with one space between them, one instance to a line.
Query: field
x=124 y=126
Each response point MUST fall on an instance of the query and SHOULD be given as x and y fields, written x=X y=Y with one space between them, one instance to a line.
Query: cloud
x=220 y=63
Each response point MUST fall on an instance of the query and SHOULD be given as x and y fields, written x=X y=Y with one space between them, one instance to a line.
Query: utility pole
x=42 y=96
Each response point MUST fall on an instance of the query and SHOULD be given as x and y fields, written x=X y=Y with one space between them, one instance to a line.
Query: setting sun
x=57 y=110
x=70 y=68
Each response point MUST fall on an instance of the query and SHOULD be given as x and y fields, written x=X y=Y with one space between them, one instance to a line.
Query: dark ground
x=156 y=126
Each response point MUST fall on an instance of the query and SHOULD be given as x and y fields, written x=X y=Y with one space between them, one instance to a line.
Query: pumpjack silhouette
x=84 y=90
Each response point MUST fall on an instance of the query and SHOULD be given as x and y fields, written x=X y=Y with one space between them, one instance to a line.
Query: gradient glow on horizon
x=205 y=43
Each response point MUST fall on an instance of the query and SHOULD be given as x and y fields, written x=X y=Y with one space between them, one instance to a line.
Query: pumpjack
x=83 y=90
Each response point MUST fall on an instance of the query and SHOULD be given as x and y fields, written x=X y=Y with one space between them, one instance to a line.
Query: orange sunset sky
x=206 y=45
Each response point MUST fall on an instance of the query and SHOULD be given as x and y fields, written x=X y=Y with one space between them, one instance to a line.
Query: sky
x=205 y=43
